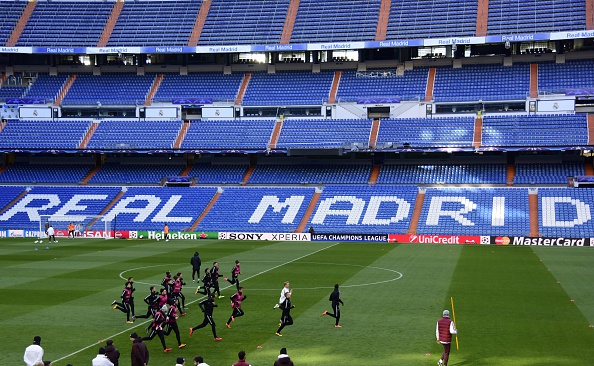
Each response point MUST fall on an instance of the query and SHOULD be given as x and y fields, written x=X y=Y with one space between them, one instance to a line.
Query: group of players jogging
x=164 y=307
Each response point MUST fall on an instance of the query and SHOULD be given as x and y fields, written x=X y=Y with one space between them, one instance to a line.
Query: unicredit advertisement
x=438 y=239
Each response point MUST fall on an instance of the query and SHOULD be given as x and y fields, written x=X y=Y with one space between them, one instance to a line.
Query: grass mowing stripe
x=511 y=311
x=193 y=301
x=572 y=267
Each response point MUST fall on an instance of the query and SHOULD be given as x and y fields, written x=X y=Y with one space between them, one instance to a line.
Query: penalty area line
x=193 y=301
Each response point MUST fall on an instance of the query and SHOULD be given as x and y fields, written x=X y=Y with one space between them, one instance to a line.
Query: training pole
x=456 y=325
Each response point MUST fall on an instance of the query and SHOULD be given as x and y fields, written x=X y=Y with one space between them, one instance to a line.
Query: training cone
x=36 y=249
x=46 y=247
x=259 y=346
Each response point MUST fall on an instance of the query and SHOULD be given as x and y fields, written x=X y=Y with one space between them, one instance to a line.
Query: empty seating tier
x=109 y=89
x=363 y=209
x=137 y=174
x=413 y=19
x=426 y=132
x=524 y=17
x=155 y=23
x=535 y=130
x=43 y=134
x=229 y=134
x=472 y=211
x=244 y=22
x=311 y=174
x=135 y=134
x=288 y=88
x=382 y=84
x=442 y=174
x=482 y=82
x=50 y=173
x=322 y=21
x=324 y=133
x=62 y=23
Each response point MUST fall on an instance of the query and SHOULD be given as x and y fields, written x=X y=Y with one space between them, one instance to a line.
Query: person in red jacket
x=241 y=361
x=443 y=332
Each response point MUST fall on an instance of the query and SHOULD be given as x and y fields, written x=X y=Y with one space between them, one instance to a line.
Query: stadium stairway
x=289 y=22
x=374 y=131
x=20 y=26
x=111 y=22
x=430 y=84
x=67 y=85
x=90 y=175
x=183 y=131
x=334 y=88
x=212 y=202
x=278 y=126
x=199 y=23
x=533 y=80
x=14 y=201
x=478 y=133
x=416 y=215
x=88 y=135
x=248 y=174
x=590 y=129
x=310 y=209
x=589 y=14
x=588 y=168
x=382 y=20
x=374 y=174
x=511 y=174
x=243 y=88
x=482 y=18
x=154 y=88
x=533 y=206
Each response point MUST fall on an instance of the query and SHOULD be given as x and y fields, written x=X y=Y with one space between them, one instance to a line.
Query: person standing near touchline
x=443 y=332
x=196 y=262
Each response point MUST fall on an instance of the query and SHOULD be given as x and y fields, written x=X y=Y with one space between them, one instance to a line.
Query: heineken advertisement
x=178 y=235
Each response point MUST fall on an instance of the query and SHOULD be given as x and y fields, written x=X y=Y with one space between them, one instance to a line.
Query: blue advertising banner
x=395 y=43
x=25 y=101
x=378 y=100
x=518 y=38
x=191 y=101
x=574 y=92
x=279 y=47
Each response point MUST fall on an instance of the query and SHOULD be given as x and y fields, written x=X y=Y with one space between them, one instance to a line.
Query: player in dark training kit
x=124 y=306
x=152 y=300
x=286 y=318
x=214 y=275
x=335 y=298
x=156 y=328
x=207 y=306
x=171 y=322
x=131 y=281
x=206 y=284
x=235 y=272
x=236 y=301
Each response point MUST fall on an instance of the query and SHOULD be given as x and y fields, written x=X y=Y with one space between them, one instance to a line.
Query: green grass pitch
x=513 y=304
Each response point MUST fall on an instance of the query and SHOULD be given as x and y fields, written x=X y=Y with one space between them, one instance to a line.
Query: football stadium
x=381 y=160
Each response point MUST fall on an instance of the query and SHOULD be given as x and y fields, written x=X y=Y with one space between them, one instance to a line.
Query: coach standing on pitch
x=443 y=332
x=196 y=263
